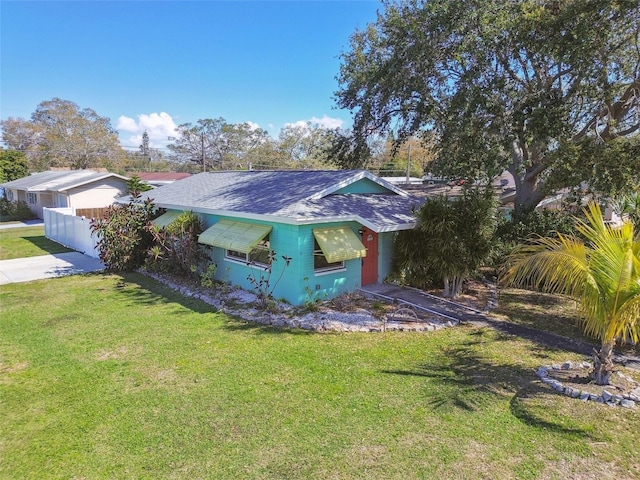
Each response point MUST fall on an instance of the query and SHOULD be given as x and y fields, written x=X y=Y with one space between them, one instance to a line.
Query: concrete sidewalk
x=47 y=266
x=26 y=223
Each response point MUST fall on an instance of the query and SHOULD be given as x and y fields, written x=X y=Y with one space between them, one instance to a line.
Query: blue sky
x=153 y=65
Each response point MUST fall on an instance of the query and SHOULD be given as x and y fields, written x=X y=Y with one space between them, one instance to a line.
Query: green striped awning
x=339 y=244
x=237 y=236
x=165 y=219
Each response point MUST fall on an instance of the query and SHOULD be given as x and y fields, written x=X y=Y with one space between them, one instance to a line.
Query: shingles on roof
x=57 y=181
x=161 y=176
x=301 y=195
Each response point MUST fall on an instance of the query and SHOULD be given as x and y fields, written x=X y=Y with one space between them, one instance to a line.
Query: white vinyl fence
x=62 y=226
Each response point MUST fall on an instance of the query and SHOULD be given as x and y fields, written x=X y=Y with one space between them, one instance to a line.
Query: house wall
x=43 y=200
x=96 y=194
x=297 y=282
x=363 y=186
x=385 y=254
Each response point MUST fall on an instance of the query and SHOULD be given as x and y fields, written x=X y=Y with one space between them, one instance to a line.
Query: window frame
x=329 y=267
x=251 y=258
x=32 y=198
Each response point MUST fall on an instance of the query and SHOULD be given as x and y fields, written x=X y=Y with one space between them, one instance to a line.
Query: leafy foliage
x=451 y=240
x=60 y=134
x=123 y=235
x=13 y=165
x=214 y=143
x=503 y=85
x=527 y=223
x=135 y=186
x=16 y=210
x=176 y=248
x=602 y=274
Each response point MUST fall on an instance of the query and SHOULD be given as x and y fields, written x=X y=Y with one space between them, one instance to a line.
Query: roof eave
x=295 y=220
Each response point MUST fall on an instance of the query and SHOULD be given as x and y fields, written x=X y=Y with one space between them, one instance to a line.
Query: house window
x=320 y=262
x=258 y=256
x=10 y=195
x=32 y=198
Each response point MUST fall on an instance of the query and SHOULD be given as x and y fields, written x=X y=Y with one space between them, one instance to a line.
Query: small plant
x=312 y=299
x=262 y=283
x=207 y=277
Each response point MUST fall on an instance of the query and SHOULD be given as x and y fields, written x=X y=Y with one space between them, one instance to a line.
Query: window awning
x=165 y=219
x=237 y=236
x=339 y=244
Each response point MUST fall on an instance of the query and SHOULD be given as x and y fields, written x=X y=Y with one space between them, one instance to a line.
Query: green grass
x=119 y=377
x=543 y=311
x=27 y=242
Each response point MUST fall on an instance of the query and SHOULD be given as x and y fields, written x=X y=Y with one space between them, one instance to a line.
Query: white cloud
x=253 y=125
x=325 y=122
x=159 y=127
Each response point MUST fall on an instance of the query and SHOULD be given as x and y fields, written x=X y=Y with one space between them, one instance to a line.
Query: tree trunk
x=445 y=293
x=603 y=366
x=526 y=168
x=529 y=191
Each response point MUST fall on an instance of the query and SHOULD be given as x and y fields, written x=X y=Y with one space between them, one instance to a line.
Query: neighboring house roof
x=58 y=181
x=160 y=178
x=298 y=197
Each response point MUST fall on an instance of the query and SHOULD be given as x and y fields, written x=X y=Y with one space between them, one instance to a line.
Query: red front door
x=370 y=262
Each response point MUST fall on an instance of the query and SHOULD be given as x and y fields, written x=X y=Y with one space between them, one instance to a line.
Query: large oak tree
x=548 y=90
x=61 y=134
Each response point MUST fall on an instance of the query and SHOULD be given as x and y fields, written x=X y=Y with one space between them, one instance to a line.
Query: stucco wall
x=297 y=282
x=97 y=194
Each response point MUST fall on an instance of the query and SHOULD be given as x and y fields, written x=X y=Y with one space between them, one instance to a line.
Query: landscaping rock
x=627 y=403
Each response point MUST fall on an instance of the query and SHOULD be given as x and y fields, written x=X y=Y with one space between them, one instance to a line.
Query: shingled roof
x=57 y=180
x=298 y=197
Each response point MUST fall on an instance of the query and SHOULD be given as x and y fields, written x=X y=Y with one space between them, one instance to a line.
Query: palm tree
x=602 y=274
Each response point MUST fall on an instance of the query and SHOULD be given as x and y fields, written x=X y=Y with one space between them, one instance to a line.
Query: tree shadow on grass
x=49 y=246
x=462 y=377
x=153 y=293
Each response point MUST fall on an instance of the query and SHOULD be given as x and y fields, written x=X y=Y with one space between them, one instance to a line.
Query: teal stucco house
x=336 y=226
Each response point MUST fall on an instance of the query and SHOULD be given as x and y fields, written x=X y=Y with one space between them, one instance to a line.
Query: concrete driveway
x=47 y=266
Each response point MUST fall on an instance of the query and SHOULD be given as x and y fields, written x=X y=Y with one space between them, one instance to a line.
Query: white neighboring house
x=66 y=189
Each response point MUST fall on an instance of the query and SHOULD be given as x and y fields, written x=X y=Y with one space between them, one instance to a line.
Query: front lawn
x=119 y=377
x=27 y=242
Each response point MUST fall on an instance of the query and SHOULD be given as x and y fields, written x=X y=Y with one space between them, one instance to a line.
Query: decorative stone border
x=545 y=374
x=241 y=303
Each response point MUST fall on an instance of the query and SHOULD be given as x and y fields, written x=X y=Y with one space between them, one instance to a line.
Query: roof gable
x=58 y=181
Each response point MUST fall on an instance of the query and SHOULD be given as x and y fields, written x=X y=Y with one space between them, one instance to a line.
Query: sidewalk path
x=47 y=266
x=448 y=309
x=26 y=223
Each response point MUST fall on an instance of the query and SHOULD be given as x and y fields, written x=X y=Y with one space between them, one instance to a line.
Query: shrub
x=18 y=210
x=124 y=238
x=176 y=248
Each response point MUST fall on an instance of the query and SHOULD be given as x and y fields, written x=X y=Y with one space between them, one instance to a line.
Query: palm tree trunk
x=603 y=363
x=445 y=293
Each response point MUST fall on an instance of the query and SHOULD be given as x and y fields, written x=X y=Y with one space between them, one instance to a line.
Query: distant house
x=337 y=227
x=66 y=188
x=158 y=179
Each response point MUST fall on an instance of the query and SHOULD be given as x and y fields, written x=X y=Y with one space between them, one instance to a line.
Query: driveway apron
x=47 y=266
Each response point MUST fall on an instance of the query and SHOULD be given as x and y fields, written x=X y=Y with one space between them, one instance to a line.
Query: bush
x=124 y=238
x=176 y=248
x=527 y=223
x=18 y=210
